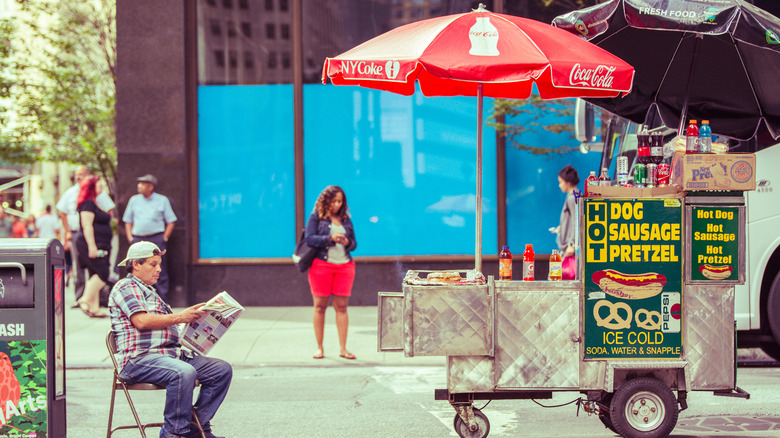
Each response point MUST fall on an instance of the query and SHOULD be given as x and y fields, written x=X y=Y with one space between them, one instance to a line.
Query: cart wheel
x=483 y=426
x=643 y=408
x=606 y=420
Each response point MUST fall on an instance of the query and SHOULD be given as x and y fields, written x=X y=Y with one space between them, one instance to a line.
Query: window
x=231 y=29
x=272 y=61
x=270 y=31
x=216 y=30
x=233 y=59
x=246 y=29
x=243 y=4
x=219 y=58
x=269 y=5
x=286 y=60
x=211 y=2
x=249 y=60
x=284 y=30
x=284 y=5
x=228 y=4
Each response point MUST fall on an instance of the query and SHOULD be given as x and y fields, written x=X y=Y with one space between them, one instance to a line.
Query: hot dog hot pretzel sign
x=633 y=278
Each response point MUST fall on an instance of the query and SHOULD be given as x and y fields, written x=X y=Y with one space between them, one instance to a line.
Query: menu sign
x=633 y=278
x=715 y=243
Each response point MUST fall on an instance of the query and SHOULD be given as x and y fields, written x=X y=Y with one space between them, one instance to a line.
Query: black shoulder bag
x=304 y=254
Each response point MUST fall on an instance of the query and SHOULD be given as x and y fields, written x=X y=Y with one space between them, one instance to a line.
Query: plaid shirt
x=128 y=297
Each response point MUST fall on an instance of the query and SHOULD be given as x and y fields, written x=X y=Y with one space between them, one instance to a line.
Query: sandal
x=349 y=356
x=319 y=355
x=85 y=309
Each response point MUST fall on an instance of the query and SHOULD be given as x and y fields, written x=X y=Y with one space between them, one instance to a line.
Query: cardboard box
x=714 y=171
x=671 y=191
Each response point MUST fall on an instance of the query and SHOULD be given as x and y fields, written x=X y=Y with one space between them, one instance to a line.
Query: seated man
x=147 y=338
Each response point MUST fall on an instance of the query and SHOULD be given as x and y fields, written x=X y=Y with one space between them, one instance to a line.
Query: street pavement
x=262 y=336
x=274 y=342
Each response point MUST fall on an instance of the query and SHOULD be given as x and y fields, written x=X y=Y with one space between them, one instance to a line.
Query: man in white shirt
x=70 y=221
x=47 y=226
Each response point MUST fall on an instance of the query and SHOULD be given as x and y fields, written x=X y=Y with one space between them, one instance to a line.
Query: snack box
x=714 y=171
x=671 y=191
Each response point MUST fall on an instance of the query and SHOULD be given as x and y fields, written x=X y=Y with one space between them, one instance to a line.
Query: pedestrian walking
x=94 y=245
x=6 y=224
x=149 y=217
x=47 y=226
x=70 y=224
x=567 y=229
x=330 y=230
x=147 y=339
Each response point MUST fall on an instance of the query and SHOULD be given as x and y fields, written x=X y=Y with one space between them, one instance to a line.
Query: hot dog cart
x=651 y=319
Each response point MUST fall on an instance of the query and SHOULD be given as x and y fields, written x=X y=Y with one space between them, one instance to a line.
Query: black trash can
x=32 y=338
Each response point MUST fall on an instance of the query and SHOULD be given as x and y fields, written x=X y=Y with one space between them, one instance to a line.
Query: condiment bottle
x=528 y=263
x=556 y=268
x=505 y=264
x=592 y=179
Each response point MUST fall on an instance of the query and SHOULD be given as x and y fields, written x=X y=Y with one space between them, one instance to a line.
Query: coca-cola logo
x=599 y=77
x=484 y=33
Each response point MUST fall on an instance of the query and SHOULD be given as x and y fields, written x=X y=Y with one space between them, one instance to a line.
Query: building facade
x=222 y=101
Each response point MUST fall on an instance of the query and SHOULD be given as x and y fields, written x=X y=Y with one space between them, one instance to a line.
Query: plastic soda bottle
x=592 y=179
x=604 y=179
x=528 y=263
x=556 y=268
x=692 y=138
x=505 y=264
x=643 y=145
x=705 y=137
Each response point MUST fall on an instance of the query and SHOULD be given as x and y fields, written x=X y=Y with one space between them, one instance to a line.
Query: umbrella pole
x=478 y=244
x=684 y=112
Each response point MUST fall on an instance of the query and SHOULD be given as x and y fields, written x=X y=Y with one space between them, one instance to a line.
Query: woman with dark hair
x=332 y=272
x=94 y=245
x=567 y=230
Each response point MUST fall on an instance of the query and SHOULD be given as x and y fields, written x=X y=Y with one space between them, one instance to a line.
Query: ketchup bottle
x=528 y=263
x=505 y=264
x=556 y=272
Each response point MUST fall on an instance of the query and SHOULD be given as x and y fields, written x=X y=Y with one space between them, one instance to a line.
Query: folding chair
x=119 y=384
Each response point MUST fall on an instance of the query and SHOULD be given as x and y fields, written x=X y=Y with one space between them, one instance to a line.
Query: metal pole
x=478 y=221
x=684 y=112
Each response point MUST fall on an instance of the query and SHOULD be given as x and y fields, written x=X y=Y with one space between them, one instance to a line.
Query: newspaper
x=202 y=334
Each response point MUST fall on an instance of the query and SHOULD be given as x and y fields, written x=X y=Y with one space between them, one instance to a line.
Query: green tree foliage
x=64 y=89
x=513 y=118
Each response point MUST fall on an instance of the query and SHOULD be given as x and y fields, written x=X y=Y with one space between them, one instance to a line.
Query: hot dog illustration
x=715 y=272
x=629 y=286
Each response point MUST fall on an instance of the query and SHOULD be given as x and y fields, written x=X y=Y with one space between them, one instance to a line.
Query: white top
x=47 y=226
x=336 y=253
x=67 y=205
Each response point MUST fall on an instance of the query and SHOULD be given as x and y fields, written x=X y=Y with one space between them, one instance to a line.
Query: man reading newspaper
x=220 y=313
x=147 y=338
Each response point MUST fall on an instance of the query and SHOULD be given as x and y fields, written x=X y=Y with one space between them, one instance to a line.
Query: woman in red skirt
x=330 y=230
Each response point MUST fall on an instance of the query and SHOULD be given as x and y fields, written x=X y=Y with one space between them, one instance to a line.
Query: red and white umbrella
x=481 y=54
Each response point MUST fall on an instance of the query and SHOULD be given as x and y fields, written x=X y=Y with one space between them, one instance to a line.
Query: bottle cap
x=505 y=247
x=528 y=245
x=693 y=121
x=706 y=121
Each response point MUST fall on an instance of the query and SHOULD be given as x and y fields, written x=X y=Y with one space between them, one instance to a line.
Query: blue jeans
x=178 y=377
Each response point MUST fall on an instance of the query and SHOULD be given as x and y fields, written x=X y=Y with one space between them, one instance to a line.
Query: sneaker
x=208 y=434
x=165 y=434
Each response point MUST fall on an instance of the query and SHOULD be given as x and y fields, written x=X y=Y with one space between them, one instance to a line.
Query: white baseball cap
x=141 y=250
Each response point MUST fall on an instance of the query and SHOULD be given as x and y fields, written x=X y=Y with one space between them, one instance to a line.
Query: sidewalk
x=262 y=336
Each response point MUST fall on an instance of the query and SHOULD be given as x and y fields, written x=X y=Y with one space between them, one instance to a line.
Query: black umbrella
x=717 y=60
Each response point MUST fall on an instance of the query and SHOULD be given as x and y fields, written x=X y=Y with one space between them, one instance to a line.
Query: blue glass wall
x=246 y=180
x=407 y=164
